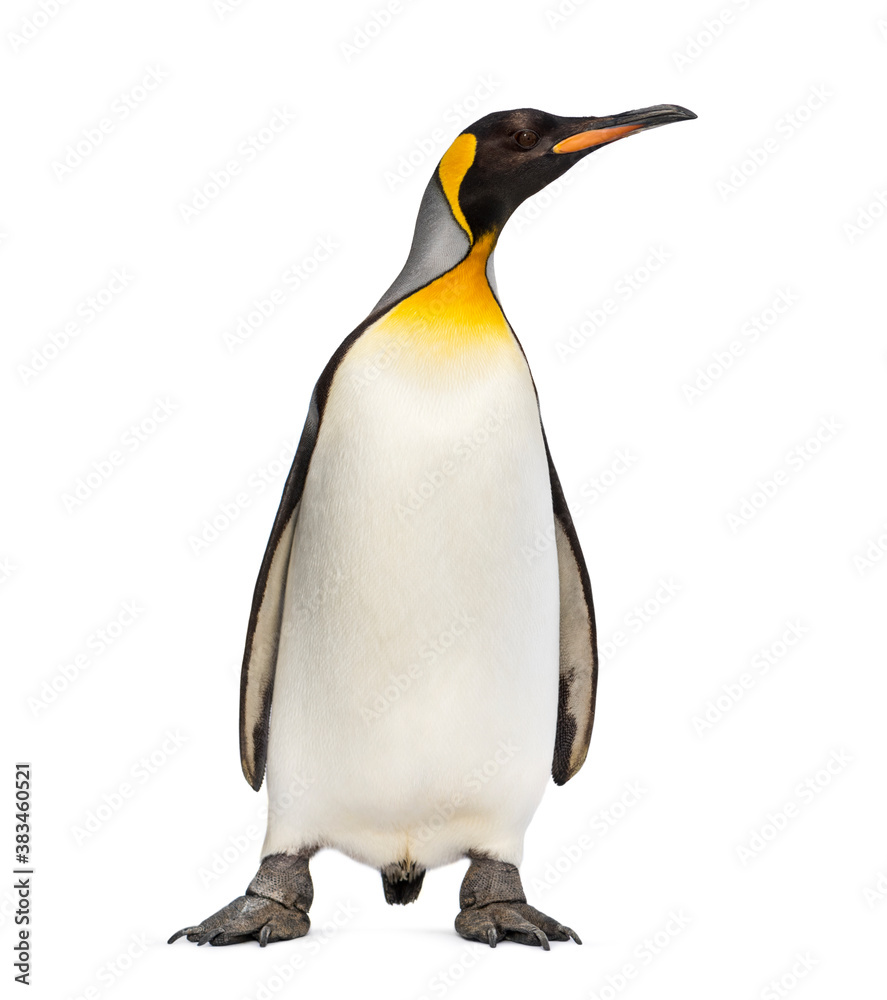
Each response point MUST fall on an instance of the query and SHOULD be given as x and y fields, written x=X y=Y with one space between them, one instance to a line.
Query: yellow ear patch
x=453 y=168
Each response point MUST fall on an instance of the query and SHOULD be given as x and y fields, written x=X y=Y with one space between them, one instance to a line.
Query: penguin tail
x=402 y=883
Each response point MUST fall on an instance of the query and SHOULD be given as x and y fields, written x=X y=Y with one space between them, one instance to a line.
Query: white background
x=798 y=89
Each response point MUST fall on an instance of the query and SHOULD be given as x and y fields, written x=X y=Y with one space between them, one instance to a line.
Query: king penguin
x=429 y=663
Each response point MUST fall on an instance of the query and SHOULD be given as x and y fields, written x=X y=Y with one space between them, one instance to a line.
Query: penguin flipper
x=263 y=631
x=578 y=643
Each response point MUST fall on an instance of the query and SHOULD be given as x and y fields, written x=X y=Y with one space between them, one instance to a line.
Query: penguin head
x=508 y=156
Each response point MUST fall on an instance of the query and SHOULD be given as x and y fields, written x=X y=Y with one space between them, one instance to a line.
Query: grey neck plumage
x=439 y=244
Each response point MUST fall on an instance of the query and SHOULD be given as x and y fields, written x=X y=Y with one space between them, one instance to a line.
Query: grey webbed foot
x=248 y=918
x=519 y=922
x=494 y=908
x=275 y=907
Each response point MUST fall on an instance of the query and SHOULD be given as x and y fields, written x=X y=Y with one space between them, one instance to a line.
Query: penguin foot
x=275 y=907
x=518 y=922
x=494 y=908
x=248 y=918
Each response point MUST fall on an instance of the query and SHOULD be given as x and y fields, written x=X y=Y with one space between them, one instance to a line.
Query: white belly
x=415 y=698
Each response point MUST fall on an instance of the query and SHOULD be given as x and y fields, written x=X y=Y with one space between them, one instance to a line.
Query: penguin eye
x=525 y=138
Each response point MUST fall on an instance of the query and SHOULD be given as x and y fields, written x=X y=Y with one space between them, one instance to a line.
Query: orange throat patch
x=457 y=310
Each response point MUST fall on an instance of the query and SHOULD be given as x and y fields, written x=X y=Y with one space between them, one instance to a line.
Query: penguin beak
x=599 y=131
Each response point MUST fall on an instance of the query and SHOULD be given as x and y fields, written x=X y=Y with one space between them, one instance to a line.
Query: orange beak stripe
x=594 y=137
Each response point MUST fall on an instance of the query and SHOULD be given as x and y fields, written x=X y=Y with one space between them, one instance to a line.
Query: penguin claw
x=504 y=921
x=248 y=918
x=178 y=934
